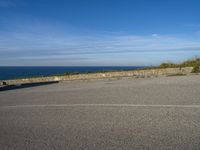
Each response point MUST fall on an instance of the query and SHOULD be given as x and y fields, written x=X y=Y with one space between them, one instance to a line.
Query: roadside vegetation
x=195 y=63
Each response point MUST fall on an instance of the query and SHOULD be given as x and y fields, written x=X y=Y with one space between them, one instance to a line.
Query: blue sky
x=98 y=32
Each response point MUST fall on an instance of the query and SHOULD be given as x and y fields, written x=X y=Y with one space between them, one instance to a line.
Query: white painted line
x=102 y=105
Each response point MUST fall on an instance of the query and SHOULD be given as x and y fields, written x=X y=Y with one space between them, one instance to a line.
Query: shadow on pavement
x=25 y=85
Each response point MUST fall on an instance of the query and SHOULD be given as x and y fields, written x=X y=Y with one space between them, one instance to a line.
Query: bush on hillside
x=168 y=65
x=196 y=69
x=195 y=63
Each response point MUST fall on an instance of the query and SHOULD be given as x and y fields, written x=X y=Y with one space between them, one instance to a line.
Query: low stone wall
x=134 y=73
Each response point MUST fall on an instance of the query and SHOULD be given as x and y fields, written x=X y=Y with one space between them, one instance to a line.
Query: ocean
x=7 y=73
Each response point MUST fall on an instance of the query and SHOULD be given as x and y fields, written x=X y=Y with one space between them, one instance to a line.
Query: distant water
x=22 y=72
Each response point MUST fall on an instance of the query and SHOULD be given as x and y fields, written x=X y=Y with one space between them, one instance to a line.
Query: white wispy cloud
x=41 y=43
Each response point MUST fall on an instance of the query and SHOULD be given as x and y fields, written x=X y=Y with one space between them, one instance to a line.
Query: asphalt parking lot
x=154 y=113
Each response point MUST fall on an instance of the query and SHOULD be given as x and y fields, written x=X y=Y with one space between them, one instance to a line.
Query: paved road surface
x=158 y=113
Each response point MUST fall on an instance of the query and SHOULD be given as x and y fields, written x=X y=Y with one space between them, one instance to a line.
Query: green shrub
x=196 y=69
x=168 y=65
x=189 y=63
